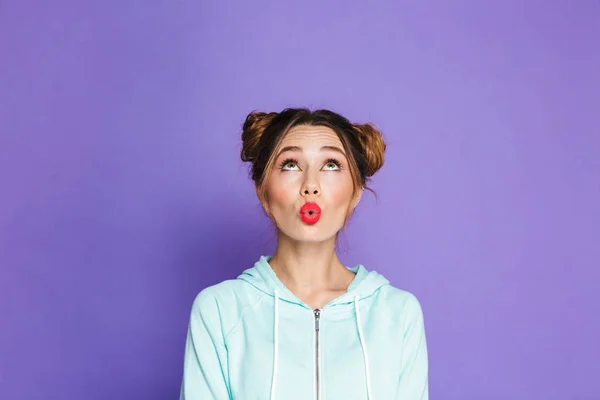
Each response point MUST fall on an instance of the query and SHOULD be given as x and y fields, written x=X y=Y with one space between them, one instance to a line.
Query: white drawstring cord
x=364 y=348
x=360 y=335
x=275 y=345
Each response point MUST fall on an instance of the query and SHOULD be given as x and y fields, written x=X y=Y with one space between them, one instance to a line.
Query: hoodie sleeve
x=205 y=359
x=414 y=370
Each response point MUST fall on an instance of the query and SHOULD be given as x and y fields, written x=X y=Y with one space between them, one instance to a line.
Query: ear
x=263 y=203
x=357 y=197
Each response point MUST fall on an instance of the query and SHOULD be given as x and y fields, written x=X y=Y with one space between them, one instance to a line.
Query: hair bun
x=254 y=127
x=373 y=147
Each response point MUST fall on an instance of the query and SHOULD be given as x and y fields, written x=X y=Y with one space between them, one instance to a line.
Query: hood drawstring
x=275 y=345
x=360 y=335
x=363 y=344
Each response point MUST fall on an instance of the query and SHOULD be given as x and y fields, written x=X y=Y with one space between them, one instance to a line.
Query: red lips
x=310 y=213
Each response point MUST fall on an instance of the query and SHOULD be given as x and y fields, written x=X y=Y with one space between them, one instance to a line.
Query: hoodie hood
x=364 y=284
x=251 y=337
x=263 y=278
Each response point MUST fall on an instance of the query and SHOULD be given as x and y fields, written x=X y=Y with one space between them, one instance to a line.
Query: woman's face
x=311 y=166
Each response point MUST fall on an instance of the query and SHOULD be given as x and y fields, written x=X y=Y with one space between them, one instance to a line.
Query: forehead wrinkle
x=328 y=139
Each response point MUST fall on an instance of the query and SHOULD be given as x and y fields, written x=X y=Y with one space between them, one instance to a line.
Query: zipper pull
x=317 y=318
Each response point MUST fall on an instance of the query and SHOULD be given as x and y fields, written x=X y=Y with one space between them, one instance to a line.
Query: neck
x=308 y=267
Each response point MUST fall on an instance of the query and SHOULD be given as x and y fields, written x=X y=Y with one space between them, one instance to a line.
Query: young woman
x=299 y=324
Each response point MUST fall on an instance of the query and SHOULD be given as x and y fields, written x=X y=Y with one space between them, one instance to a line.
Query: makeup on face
x=310 y=213
x=310 y=185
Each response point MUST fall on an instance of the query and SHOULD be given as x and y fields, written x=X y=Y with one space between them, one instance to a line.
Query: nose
x=310 y=187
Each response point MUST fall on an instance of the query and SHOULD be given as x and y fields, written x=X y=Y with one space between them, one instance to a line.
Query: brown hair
x=263 y=132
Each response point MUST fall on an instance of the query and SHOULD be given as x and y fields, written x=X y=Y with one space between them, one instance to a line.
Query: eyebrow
x=324 y=148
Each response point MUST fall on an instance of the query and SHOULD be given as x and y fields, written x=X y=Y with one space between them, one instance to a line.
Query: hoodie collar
x=263 y=278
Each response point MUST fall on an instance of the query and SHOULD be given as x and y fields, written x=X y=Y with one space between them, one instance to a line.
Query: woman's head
x=301 y=156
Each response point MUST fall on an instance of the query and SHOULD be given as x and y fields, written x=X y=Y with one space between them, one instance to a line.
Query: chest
x=314 y=356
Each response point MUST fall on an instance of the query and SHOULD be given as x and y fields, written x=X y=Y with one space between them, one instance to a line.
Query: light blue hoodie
x=253 y=339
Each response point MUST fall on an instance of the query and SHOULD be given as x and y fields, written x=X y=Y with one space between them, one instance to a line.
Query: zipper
x=317 y=320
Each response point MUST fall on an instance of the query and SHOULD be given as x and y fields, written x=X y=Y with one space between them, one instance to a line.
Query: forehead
x=311 y=135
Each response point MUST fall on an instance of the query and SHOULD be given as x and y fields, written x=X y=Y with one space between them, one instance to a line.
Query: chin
x=298 y=231
x=310 y=234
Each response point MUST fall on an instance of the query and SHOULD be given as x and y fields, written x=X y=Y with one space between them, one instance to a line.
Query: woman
x=299 y=324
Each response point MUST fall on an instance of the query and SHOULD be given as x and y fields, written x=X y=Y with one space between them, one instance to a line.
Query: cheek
x=281 y=189
x=277 y=196
x=339 y=190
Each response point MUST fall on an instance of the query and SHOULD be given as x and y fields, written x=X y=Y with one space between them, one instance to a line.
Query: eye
x=289 y=164
x=332 y=165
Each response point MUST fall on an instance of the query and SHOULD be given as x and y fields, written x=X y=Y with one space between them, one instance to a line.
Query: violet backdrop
x=122 y=193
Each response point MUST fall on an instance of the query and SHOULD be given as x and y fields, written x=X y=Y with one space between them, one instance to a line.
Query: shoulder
x=220 y=290
x=400 y=304
x=224 y=302
x=224 y=294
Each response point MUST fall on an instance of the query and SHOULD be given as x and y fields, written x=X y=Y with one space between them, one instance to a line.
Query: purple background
x=123 y=194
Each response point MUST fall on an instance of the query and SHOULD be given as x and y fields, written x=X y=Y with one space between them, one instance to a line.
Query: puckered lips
x=310 y=213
